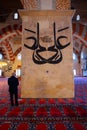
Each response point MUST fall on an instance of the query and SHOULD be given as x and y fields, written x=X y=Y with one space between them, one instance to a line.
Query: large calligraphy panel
x=47 y=64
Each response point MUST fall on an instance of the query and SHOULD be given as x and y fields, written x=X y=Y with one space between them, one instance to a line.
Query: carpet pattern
x=45 y=114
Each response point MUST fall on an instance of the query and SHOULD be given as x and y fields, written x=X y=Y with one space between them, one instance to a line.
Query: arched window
x=74 y=72
x=1 y=56
x=0 y=72
x=19 y=56
x=18 y=72
x=74 y=56
x=78 y=17
x=82 y=56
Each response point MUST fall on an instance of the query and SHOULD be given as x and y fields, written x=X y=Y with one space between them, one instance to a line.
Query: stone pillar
x=47 y=63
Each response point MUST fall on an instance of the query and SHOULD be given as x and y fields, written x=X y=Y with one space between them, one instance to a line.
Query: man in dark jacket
x=13 y=89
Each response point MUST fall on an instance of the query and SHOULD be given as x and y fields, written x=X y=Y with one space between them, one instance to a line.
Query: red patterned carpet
x=45 y=114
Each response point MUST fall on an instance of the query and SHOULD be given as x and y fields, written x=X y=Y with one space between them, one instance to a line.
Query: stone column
x=47 y=63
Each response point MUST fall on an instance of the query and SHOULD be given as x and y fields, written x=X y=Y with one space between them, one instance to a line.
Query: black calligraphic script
x=38 y=49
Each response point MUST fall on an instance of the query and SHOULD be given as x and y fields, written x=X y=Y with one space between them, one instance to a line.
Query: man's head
x=13 y=74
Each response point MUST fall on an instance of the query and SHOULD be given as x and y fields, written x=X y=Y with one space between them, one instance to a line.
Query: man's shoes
x=12 y=105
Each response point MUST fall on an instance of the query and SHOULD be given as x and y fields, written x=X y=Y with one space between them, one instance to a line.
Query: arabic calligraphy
x=38 y=49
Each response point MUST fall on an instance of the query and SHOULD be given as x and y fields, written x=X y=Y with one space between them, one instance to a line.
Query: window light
x=18 y=72
x=74 y=71
x=1 y=56
x=78 y=17
x=16 y=15
x=74 y=56
x=82 y=55
x=19 y=56
x=0 y=72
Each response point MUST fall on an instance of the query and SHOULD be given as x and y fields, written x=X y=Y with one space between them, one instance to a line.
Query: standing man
x=13 y=89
